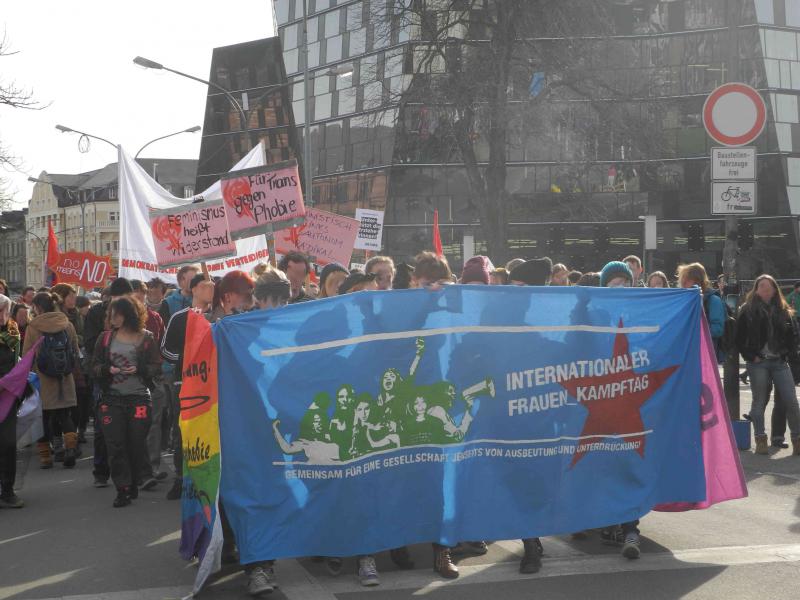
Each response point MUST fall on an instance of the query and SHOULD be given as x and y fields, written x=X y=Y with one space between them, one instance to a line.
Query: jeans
x=774 y=372
x=8 y=452
x=159 y=400
x=126 y=421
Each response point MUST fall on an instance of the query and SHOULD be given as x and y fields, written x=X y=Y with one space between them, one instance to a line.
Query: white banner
x=138 y=192
x=370 y=233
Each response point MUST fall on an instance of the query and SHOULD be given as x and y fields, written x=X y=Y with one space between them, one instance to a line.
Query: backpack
x=726 y=343
x=56 y=357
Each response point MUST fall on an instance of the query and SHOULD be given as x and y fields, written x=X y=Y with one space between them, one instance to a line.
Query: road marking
x=21 y=537
x=794 y=477
x=20 y=588
x=425 y=581
x=170 y=537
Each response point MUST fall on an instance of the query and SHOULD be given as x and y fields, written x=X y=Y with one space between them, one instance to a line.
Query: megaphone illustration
x=483 y=388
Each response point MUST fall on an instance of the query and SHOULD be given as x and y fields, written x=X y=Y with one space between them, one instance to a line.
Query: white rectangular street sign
x=733 y=164
x=733 y=197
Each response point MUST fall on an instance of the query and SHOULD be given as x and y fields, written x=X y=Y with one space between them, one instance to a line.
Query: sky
x=76 y=56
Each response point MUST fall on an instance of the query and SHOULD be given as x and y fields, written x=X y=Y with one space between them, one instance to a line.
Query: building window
x=113 y=216
x=112 y=193
x=188 y=191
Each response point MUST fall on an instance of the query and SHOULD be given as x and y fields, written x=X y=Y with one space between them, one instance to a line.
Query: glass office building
x=576 y=190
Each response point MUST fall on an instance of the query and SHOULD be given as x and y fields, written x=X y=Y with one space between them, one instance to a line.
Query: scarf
x=9 y=335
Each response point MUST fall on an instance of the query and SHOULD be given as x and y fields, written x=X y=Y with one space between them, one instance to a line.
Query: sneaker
x=368 y=572
x=176 y=490
x=11 y=501
x=260 y=582
x=630 y=548
x=612 y=536
x=779 y=443
x=149 y=483
x=334 y=565
x=100 y=482
x=122 y=499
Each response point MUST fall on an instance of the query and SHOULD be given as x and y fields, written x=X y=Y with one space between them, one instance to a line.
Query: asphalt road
x=68 y=542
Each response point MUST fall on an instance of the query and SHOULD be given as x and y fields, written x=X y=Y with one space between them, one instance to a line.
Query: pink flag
x=12 y=385
x=724 y=475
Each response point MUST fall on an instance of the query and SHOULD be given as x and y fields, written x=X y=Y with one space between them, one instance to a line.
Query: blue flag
x=370 y=421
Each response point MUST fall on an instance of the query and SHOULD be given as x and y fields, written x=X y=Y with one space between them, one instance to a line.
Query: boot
x=443 y=563
x=796 y=446
x=58 y=448
x=45 y=457
x=762 y=445
x=532 y=560
x=70 y=449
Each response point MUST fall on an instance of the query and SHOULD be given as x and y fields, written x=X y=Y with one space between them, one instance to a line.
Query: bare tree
x=495 y=74
x=12 y=95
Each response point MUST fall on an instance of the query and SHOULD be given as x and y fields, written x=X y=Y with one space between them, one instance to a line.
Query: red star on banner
x=614 y=400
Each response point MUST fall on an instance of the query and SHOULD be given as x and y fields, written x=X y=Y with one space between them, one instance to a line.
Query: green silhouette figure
x=315 y=425
x=341 y=425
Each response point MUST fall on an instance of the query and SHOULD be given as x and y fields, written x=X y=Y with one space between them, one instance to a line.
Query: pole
x=308 y=180
x=730 y=368
x=83 y=223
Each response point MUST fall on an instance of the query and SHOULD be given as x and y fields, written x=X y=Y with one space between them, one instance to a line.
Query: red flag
x=53 y=254
x=437 y=238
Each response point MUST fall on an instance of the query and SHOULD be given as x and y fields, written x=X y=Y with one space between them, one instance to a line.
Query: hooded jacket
x=56 y=392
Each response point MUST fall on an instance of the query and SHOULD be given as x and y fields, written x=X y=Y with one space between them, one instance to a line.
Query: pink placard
x=326 y=237
x=263 y=199
x=190 y=234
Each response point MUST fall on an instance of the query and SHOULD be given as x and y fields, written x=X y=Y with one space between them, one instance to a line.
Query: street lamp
x=194 y=129
x=151 y=64
x=83 y=134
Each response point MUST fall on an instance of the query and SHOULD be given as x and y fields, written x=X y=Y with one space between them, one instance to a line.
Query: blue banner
x=370 y=421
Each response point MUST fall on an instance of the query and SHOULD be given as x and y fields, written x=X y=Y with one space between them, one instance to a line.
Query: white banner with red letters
x=138 y=193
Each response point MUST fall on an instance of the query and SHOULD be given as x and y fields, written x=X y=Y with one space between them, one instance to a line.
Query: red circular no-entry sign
x=734 y=114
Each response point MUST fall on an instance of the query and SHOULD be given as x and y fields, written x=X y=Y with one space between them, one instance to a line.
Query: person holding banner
x=172 y=345
x=9 y=355
x=126 y=360
x=383 y=269
x=332 y=276
x=272 y=289
x=297 y=267
x=232 y=295
x=766 y=338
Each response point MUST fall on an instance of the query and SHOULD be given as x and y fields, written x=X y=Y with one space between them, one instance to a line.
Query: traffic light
x=697 y=238
x=745 y=235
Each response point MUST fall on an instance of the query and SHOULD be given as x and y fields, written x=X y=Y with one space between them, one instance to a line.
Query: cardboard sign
x=83 y=268
x=370 y=232
x=263 y=199
x=191 y=233
x=324 y=236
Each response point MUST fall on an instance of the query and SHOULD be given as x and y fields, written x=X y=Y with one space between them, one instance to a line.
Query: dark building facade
x=253 y=73
x=575 y=189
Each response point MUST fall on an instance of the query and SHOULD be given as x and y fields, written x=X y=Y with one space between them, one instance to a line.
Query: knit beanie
x=477 y=269
x=615 y=269
x=533 y=272
x=120 y=287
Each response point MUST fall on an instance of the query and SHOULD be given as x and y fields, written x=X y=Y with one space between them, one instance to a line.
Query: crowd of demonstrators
x=133 y=341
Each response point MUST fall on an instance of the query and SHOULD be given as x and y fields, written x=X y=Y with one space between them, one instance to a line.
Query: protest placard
x=324 y=236
x=263 y=199
x=370 y=232
x=83 y=268
x=191 y=233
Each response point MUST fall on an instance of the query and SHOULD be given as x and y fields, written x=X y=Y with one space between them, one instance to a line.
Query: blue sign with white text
x=380 y=419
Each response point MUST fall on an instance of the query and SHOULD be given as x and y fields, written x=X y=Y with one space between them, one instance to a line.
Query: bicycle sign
x=733 y=197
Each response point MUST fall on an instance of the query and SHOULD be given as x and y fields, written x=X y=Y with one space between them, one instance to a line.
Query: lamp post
x=194 y=129
x=151 y=64
x=64 y=129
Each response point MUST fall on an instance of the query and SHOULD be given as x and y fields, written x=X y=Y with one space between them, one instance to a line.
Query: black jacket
x=752 y=331
x=148 y=361
x=93 y=326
